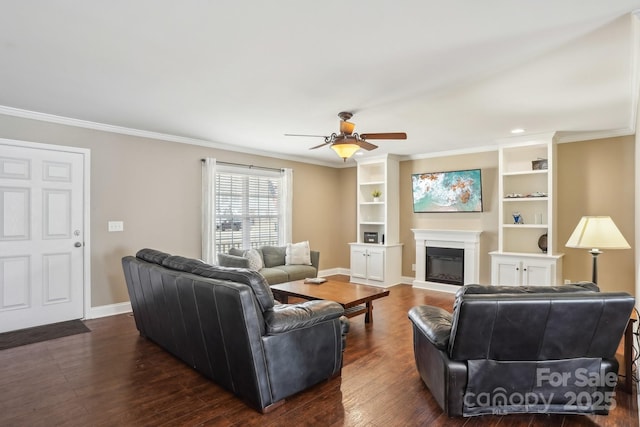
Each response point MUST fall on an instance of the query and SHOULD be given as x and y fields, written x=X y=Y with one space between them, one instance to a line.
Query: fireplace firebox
x=445 y=265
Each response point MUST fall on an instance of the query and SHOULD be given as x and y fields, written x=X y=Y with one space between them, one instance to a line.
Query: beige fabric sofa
x=275 y=269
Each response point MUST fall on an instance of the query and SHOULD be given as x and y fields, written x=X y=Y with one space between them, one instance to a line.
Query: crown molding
x=68 y=121
x=472 y=150
x=562 y=137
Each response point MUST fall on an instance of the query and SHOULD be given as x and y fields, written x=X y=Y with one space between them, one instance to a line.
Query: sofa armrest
x=434 y=323
x=287 y=317
x=315 y=259
x=226 y=260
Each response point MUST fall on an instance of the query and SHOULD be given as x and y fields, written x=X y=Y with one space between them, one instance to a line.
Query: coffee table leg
x=283 y=298
x=368 y=316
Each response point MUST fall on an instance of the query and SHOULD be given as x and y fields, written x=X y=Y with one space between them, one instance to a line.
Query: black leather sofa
x=224 y=323
x=536 y=349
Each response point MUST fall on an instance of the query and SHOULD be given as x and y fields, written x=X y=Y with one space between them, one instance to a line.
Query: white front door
x=41 y=236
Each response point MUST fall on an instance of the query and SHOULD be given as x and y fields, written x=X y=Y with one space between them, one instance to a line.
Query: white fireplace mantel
x=469 y=240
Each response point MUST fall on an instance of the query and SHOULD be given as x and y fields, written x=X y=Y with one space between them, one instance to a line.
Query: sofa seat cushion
x=274 y=275
x=298 y=272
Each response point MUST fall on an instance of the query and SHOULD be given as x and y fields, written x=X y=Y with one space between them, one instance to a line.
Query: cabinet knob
x=517 y=269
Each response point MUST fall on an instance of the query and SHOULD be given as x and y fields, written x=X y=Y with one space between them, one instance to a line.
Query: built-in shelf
x=525 y=199
x=376 y=255
x=525 y=225
x=529 y=172
x=519 y=259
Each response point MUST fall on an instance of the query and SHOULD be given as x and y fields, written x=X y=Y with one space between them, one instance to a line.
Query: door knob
x=77 y=244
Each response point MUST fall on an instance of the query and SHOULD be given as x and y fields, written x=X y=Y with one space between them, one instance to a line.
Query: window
x=246 y=207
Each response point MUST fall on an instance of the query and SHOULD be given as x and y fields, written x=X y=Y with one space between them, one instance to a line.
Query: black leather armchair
x=224 y=323
x=535 y=349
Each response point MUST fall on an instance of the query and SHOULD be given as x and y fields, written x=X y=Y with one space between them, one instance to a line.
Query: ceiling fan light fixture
x=347 y=127
x=345 y=149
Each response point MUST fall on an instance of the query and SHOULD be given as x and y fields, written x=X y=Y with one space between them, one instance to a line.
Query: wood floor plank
x=113 y=377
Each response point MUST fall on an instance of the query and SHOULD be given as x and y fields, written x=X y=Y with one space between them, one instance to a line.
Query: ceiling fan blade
x=388 y=135
x=297 y=134
x=321 y=145
x=366 y=145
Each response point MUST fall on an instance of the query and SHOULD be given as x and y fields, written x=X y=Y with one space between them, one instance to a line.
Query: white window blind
x=247 y=210
x=250 y=208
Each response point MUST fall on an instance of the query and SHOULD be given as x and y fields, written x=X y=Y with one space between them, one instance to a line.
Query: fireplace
x=464 y=261
x=445 y=265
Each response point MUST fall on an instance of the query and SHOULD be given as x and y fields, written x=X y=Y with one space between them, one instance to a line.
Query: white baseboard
x=109 y=310
x=333 y=271
x=440 y=287
x=407 y=280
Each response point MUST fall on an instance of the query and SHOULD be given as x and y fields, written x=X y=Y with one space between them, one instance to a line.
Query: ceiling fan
x=347 y=142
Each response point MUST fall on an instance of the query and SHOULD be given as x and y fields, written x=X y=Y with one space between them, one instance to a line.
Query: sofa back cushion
x=236 y=252
x=151 y=255
x=180 y=263
x=255 y=280
x=273 y=255
x=538 y=326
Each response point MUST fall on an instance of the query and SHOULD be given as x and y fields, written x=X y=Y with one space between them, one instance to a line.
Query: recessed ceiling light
x=517 y=130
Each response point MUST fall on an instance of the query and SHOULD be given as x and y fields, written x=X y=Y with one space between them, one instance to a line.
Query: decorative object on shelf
x=537 y=194
x=539 y=218
x=540 y=164
x=596 y=232
x=454 y=191
x=370 y=237
x=542 y=243
x=517 y=218
x=376 y=195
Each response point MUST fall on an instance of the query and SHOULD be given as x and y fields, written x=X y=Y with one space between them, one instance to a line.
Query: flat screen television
x=452 y=191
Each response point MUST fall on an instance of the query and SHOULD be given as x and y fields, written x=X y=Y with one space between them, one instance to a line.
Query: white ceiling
x=453 y=75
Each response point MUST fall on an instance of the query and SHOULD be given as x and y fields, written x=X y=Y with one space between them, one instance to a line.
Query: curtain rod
x=247 y=166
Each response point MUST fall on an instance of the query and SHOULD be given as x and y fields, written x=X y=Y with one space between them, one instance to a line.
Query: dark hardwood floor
x=113 y=377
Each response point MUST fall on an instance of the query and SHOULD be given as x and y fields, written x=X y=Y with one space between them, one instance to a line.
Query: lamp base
x=594 y=270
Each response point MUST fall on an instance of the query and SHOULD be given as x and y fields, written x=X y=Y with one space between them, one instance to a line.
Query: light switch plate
x=116 y=226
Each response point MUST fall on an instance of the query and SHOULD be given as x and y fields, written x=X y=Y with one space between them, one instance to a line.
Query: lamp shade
x=597 y=232
x=345 y=149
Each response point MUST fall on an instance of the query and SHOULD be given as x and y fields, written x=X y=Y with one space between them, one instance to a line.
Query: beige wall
x=487 y=221
x=597 y=178
x=154 y=187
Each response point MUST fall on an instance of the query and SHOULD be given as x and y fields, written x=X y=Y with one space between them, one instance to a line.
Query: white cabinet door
x=536 y=273
x=506 y=271
x=359 y=262
x=518 y=270
x=375 y=264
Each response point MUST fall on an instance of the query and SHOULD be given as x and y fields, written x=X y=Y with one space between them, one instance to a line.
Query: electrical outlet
x=567 y=281
x=413 y=267
x=115 y=226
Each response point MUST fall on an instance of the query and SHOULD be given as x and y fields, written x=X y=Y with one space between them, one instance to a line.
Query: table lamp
x=595 y=233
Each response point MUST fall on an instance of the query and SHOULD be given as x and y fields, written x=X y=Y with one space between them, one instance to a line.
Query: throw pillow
x=298 y=253
x=255 y=260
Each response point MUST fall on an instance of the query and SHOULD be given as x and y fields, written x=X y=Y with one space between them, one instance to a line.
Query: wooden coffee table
x=356 y=299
